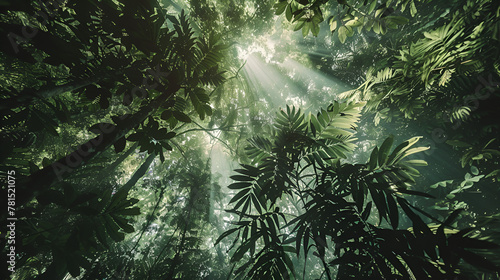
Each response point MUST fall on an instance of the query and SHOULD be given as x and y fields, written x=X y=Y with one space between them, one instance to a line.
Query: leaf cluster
x=346 y=16
x=345 y=209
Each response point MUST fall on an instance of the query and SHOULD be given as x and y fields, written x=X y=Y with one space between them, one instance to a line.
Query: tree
x=171 y=238
x=346 y=16
x=441 y=65
x=118 y=115
x=436 y=75
x=300 y=163
x=156 y=62
x=189 y=61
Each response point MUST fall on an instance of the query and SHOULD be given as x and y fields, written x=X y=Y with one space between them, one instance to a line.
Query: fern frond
x=208 y=52
x=384 y=75
x=445 y=78
x=213 y=77
x=460 y=113
x=259 y=148
x=183 y=42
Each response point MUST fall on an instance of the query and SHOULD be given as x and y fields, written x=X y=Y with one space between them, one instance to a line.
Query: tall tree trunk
x=57 y=171
x=105 y=172
x=139 y=173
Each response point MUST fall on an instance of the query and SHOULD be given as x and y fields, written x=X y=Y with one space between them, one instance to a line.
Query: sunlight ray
x=315 y=78
x=270 y=84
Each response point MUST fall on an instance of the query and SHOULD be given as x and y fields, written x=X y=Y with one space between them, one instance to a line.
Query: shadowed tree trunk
x=60 y=169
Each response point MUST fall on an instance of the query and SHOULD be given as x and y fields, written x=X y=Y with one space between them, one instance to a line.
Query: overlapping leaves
x=94 y=222
x=443 y=60
x=353 y=205
x=347 y=16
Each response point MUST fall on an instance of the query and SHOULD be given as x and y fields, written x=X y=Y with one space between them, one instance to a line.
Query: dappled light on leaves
x=223 y=139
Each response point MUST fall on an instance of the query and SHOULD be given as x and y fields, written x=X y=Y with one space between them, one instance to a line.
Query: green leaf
x=165 y=115
x=118 y=197
x=134 y=137
x=225 y=234
x=373 y=4
x=288 y=13
x=299 y=25
x=478 y=157
x=493 y=173
x=453 y=216
x=376 y=27
x=123 y=224
x=256 y=203
x=280 y=7
x=241 y=178
x=242 y=250
x=406 y=191
x=314 y=29
x=373 y=159
x=353 y=23
x=400 y=149
x=112 y=229
x=342 y=33
x=416 y=162
x=393 y=211
x=474 y=243
x=384 y=150
x=181 y=116
x=474 y=170
x=418 y=223
x=248 y=170
x=380 y=203
x=306 y=28
x=333 y=25
x=366 y=212
x=100 y=232
x=239 y=185
x=414 y=151
x=441 y=184
x=413 y=9
x=239 y=195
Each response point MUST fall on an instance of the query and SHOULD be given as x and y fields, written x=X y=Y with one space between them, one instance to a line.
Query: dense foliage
x=122 y=120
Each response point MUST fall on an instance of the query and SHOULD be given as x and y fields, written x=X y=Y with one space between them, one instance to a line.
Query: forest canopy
x=222 y=139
